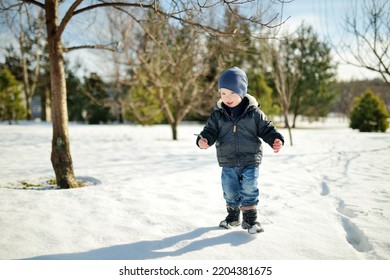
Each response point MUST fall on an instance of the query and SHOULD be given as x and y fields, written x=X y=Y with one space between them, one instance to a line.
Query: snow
x=148 y=197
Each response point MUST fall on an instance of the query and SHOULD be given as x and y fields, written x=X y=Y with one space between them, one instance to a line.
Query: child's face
x=229 y=98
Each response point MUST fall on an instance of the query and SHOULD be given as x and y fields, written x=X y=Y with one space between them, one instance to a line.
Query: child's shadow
x=144 y=250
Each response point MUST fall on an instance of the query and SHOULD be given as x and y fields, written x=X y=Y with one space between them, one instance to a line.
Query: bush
x=369 y=113
x=11 y=105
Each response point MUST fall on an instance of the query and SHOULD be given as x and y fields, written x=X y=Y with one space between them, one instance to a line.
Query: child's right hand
x=203 y=143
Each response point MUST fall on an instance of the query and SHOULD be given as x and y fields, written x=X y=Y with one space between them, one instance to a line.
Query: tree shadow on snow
x=154 y=249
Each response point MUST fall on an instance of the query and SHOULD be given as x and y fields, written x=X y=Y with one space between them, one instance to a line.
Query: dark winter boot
x=249 y=221
x=232 y=219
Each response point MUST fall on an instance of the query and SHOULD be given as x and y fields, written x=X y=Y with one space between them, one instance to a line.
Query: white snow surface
x=149 y=197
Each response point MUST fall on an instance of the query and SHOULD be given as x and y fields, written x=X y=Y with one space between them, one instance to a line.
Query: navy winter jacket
x=238 y=140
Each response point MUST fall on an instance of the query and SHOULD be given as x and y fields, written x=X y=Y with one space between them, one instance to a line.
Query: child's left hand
x=277 y=145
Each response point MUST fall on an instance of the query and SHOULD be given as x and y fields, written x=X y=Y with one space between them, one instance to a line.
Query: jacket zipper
x=236 y=143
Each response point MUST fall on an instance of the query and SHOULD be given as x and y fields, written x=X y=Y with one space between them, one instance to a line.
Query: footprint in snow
x=324 y=187
x=355 y=236
x=342 y=209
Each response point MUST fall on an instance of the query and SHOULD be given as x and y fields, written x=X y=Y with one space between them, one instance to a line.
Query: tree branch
x=101 y=47
x=36 y=3
x=175 y=15
x=67 y=18
x=113 y=4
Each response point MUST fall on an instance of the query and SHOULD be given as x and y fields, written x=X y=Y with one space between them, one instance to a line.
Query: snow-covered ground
x=325 y=198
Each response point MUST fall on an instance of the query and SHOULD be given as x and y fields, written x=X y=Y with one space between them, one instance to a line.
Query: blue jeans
x=239 y=185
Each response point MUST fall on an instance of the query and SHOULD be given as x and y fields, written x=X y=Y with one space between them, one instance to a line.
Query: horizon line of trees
x=90 y=100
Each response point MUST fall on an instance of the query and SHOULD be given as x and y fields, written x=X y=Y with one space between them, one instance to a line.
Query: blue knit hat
x=234 y=79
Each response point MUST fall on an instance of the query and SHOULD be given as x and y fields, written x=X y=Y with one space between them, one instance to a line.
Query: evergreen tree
x=76 y=100
x=97 y=110
x=143 y=105
x=11 y=107
x=315 y=91
x=369 y=113
x=263 y=93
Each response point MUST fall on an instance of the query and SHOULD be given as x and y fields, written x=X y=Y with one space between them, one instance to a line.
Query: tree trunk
x=295 y=116
x=286 y=121
x=60 y=155
x=288 y=127
x=174 y=131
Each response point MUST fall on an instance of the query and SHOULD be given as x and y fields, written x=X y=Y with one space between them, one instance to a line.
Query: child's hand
x=277 y=145
x=203 y=143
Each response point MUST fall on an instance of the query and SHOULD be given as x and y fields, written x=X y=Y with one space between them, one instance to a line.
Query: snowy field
x=325 y=198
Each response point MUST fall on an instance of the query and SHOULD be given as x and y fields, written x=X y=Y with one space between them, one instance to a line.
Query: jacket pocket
x=222 y=153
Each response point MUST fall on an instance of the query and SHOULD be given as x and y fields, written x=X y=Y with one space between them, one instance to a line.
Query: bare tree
x=285 y=72
x=173 y=61
x=368 y=21
x=55 y=27
x=28 y=31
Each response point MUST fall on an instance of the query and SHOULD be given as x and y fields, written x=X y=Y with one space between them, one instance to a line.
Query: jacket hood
x=252 y=101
